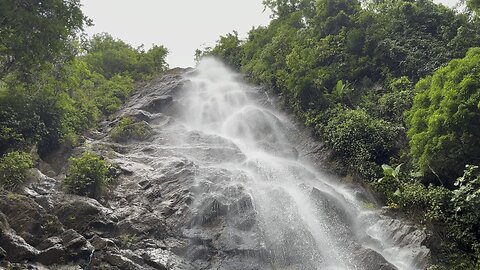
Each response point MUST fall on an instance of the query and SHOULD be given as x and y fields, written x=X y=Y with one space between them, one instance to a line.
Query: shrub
x=466 y=202
x=364 y=140
x=127 y=129
x=455 y=212
x=393 y=104
x=88 y=175
x=390 y=183
x=13 y=169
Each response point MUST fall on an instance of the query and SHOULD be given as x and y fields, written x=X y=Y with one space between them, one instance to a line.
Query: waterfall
x=258 y=203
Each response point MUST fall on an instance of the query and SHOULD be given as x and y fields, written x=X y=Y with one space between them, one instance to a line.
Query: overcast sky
x=180 y=25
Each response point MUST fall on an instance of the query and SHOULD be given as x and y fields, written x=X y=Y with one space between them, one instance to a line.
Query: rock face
x=185 y=200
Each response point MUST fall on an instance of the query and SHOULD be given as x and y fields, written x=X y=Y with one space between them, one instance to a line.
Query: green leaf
x=387 y=170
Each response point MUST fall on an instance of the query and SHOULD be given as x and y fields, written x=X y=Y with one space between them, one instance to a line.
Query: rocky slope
x=160 y=213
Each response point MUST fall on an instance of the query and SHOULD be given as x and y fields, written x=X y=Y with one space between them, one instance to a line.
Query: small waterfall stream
x=263 y=207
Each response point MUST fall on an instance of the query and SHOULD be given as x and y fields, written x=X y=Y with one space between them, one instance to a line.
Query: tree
x=228 y=48
x=110 y=56
x=281 y=8
x=33 y=32
x=445 y=118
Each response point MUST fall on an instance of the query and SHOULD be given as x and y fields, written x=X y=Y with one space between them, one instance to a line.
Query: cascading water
x=257 y=203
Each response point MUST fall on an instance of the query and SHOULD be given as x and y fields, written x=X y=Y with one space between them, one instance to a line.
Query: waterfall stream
x=258 y=202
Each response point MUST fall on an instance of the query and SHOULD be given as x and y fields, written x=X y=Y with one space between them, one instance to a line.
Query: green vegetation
x=34 y=34
x=109 y=56
x=455 y=212
x=445 y=118
x=13 y=169
x=127 y=240
x=54 y=85
x=127 y=129
x=383 y=82
x=88 y=175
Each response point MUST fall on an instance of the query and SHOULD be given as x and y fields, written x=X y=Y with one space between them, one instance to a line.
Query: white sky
x=180 y=25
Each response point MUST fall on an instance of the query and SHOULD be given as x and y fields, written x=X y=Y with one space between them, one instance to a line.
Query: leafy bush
x=393 y=104
x=29 y=118
x=13 y=169
x=88 y=175
x=127 y=129
x=362 y=139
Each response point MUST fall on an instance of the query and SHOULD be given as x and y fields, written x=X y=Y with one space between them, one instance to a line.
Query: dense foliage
x=13 y=169
x=54 y=85
x=88 y=175
x=33 y=33
x=363 y=75
x=445 y=118
x=109 y=56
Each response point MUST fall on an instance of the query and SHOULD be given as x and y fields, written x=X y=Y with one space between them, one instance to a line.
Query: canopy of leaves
x=109 y=56
x=52 y=89
x=34 y=32
x=445 y=118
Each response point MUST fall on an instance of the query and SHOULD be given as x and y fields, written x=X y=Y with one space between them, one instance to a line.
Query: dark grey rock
x=158 y=104
x=76 y=246
x=100 y=243
x=52 y=255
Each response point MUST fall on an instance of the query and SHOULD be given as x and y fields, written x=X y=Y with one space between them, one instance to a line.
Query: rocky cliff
x=171 y=208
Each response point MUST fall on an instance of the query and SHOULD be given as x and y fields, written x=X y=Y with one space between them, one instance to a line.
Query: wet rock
x=84 y=215
x=52 y=255
x=145 y=184
x=157 y=104
x=100 y=243
x=17 y=250
x=13 y=247
x=210 y=209
x=40 y=184
x=77 y=247
x=371 y=260
x=95 y=135
x=138 y=115
x=199 y=252
x=3 y=254
x=401 y=234
x=49 y=242
x=156 y=258
x=332 y=207
x=142 y=222
x=120 y=261
x=30 y=220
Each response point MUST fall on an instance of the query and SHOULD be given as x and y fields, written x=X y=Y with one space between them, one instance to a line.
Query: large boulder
x=30 y=220
x=85 y=215
x=14 y=248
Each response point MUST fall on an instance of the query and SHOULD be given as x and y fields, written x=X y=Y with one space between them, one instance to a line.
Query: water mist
x=260 y=199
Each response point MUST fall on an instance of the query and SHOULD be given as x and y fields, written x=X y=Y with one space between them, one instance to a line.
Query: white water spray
x=299 y=219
